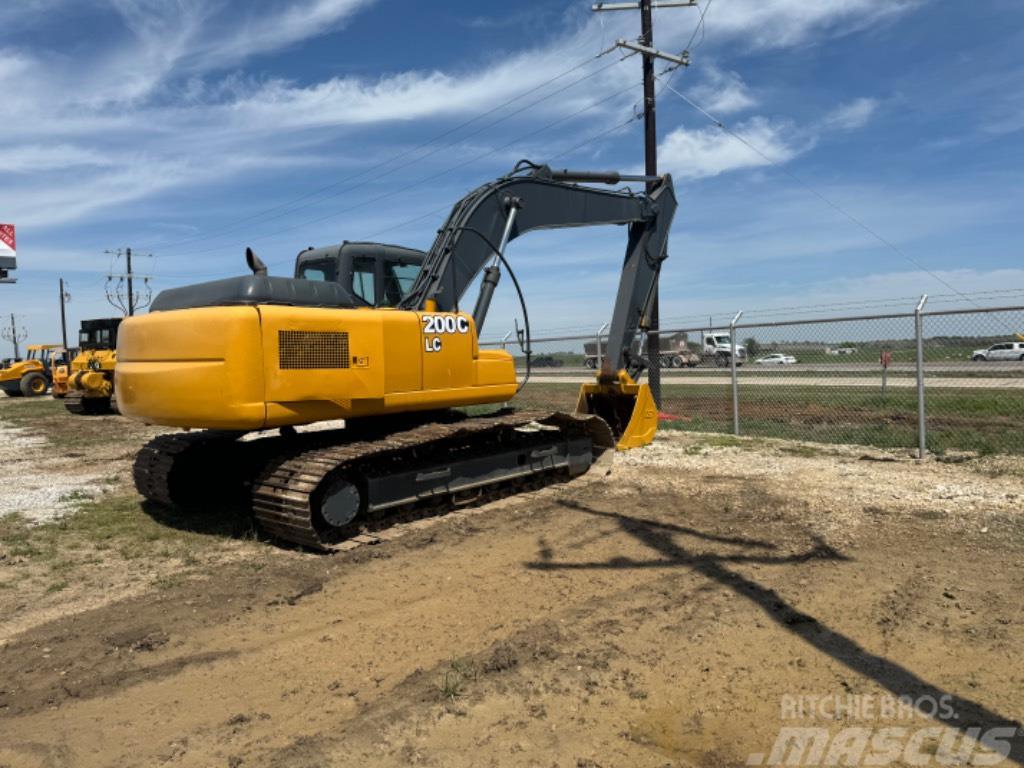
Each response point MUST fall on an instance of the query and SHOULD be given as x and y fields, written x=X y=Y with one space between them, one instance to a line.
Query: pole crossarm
x=682 y=60
x=635 y=6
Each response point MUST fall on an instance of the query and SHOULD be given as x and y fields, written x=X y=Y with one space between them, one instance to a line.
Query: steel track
x=285 y=476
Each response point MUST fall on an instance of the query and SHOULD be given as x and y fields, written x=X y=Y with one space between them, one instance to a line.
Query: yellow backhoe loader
x=31 y=377
x=90 y=382
x=390 y=350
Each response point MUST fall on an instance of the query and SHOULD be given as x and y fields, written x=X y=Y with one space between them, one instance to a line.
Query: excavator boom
x=547 y=199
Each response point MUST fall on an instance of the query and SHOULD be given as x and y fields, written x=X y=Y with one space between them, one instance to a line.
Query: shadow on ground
x=662 y=539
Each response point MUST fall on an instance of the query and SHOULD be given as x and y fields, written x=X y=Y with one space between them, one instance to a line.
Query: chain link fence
x=853 y=380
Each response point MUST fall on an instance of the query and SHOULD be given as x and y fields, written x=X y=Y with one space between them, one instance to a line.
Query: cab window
x=321 y=270
x=398 y=279
x=363 y=270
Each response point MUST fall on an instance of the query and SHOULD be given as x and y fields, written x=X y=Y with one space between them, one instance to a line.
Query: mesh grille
x=313 y=349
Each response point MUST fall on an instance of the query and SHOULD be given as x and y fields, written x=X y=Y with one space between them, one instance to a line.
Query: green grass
x=22 y=411
x=112 y=523
x=982 y=420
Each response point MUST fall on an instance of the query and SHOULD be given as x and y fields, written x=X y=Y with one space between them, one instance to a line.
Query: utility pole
x=65 y=297
x=646 y=49
x=121 y=294
x=131 y=292
x=651 y=169
x=15 y=336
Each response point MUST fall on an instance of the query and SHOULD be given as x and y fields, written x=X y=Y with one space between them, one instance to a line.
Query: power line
x=122 y=294
x=447 y=208
x=438 y=211
x=835 y=206
x=433 y=176
x=289 y=206
x=699 y=28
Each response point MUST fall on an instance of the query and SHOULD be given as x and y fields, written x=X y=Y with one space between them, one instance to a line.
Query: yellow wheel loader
x=90 y=382
x=355 y=335
x=31 y=377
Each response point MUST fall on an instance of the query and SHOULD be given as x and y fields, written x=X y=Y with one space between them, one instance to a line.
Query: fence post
x=599 y=332
x=504 y=339
x=735 y=382
x=922 y=428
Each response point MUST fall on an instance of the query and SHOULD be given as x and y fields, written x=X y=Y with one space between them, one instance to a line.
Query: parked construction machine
x=32 y=376
x=89 y=388
x=258 y=352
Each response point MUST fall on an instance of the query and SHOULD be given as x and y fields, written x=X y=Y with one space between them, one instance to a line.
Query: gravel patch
x=39 y=485
x=840 y=487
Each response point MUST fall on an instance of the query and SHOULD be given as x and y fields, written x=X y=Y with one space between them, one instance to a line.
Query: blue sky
x=190 y=129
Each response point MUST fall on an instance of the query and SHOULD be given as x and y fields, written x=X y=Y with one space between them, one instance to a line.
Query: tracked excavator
x=230 y=358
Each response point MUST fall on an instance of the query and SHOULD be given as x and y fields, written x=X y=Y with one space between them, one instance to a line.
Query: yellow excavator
x=32 y=376
x=88 y=388
x=378 y=335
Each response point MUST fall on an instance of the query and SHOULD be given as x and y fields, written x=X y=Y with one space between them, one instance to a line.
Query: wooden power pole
x=122 y=294
x=15 y=335
x=645 y=47
x=65 y=297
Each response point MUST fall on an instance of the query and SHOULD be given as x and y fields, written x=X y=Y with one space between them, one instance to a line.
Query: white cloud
x=784 y=23
x=711 y=151
x=723 y=93
x=286 y=25
x=36 y=158
x=153 y=97
x=851 y=115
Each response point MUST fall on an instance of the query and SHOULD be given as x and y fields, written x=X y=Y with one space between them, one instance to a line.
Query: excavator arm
x=537 y=197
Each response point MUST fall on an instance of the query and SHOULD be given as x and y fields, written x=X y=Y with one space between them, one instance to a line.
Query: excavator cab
x=378 y=275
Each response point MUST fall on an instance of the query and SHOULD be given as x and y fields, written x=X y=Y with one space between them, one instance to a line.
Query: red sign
x=886 y=359
x=7 y=240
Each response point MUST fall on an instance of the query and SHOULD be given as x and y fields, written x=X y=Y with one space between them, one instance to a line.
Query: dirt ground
x=660 y=615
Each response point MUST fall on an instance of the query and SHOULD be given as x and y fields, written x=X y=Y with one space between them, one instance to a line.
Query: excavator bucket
x=626 y=406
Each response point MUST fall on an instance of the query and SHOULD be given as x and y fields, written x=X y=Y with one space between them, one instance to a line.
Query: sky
x=190 y=129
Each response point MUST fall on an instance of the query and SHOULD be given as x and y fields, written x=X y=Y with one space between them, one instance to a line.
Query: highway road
x=965 y=369
x=812 y=381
